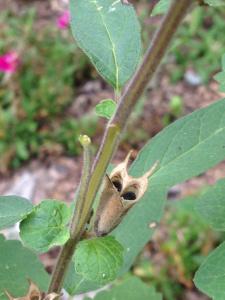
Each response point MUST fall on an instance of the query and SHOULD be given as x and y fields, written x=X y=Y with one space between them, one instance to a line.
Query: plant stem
x=115 y=127
x=77 y=217
x=68 y=249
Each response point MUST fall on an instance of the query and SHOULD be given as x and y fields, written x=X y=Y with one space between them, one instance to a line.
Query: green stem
x=117 y=124
x=67 y=251
x=80 y=198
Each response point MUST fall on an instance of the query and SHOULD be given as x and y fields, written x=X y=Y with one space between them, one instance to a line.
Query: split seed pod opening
x=120 y=192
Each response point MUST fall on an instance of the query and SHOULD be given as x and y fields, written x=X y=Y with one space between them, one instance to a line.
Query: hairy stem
x=115 y=127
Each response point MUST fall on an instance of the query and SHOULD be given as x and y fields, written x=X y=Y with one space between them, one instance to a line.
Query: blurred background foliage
x=34 y=119
x=34 y=99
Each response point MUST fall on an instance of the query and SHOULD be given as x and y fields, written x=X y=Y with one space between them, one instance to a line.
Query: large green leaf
x=210 y=277
x=17 y=265
x=46 y=226
x=211 y=205
x=109 y=33
x=99 y=259
x=132 y=288
x=184 y=149
x=13 y=209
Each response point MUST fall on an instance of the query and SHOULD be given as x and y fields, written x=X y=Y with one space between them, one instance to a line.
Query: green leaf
x=215 y=2
x=99 y=259
x=220 y=77
x=211 y=205
x=106 y=108
x=75 y=283
x=109 y=33
x=13 y=209
x=161 y=7
x=132 y=288
x=17 y=264
x=186 y=148
x=46 y=226
x=210 y=277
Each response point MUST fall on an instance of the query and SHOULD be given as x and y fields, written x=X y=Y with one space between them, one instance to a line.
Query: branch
x=115 y=127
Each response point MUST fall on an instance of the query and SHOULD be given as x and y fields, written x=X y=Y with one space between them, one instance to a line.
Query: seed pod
x=120 y=193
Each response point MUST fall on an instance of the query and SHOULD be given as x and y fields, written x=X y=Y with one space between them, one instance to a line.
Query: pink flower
x=63 y=20
x=9 y=62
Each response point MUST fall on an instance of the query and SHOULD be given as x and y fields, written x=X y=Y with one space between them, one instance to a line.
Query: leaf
x=215 y=2
x=75 y=283
x=210 y=277
x=17 y=264
x=220 y=77
x=106 y=108
x=109 y=33
x=13 y=209
x=186 y=148
x=132 y=288
x=161 y=7
x=99 y=259
x=46 y=226
x=211 y=205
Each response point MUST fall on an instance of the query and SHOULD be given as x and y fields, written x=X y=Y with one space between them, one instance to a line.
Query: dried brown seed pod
x=120 y=192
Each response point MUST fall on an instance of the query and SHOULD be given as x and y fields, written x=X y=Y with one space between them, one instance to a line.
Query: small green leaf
x=106 y=108
x=46 y=226
x=17 y=264
x=109 y=33
x=132 y=288
x=161 y=7
x=211 y=205
x=13 y=209
x=99 y=259
x=210 y=277
x=220 y=77
x=215 y=2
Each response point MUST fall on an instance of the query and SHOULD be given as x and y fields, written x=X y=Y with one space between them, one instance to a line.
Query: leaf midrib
x=98 y=9
x=189 y=150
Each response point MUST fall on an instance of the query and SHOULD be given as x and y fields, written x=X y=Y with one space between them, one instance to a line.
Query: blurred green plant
x=34 y=99
x=199 y=43
x=220 y=77
x=175 y=110
x=177 y=252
